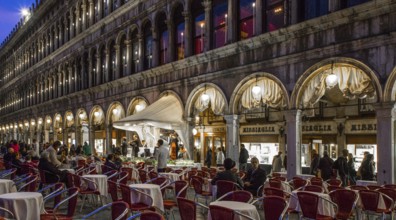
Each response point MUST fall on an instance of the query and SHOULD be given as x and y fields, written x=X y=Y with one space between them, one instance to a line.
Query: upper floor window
x=274 y=15
x=220 y=22
x=179 y=32
x=199 y=27
x=163 y=38
x=246 y=18
x=148 y=46
x=314 y=8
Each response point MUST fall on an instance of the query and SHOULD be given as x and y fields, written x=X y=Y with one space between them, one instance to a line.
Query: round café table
x=24 y=205
x=151 y=189
x=171 y=176
x=244 y=208
x=100 y=180
x=7 y=186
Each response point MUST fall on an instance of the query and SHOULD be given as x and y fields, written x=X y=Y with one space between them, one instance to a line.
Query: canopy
x=165 y=113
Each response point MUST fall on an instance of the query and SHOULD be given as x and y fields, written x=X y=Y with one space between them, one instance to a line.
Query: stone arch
x=119 y=37
x=96 y=119
x=314 y=70
x=390 y=87
x=132 y=104
x=111 y=116
x=249 y=80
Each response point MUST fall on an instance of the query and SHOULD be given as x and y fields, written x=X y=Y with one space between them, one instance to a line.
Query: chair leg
x=83 y=201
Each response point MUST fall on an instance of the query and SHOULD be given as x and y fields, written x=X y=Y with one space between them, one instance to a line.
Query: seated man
x=227 y=174
x=110 y=164
x=255 y=177
x=51 y=171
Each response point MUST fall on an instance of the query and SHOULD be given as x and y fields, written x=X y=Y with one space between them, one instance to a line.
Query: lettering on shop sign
x=363 y=127
x=270 y=129
x=316 y=128
x=367 y=126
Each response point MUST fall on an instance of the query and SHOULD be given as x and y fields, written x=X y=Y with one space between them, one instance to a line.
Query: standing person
x=255 y=177
x=359 y=171
x=243 y=157
x=277 y=162
x=313 y=170
x=351 y=169
x=87 y=149
x=341 y=165
x=124 y=147
x=208 y=159
x=368 y=168
x=135 y=145
x=325 y=166
x=227 y=174
x=161 y=155
x=35 y=147
x=220 y=157
x=285 y=161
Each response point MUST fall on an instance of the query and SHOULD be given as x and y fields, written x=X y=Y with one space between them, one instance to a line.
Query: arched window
x=115 y=5
x=96 y=17
x=163 y=38
x=106 y=9
x=78 y=78
x=219 y=22
x=113 y=62
x=135 y=51
x=148 y=46
x=124 y=57
x=198 y=14
x=179 y=32
x=103 y=66
x=274 y=15
x=246 y=18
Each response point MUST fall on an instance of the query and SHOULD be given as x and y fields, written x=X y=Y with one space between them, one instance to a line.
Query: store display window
x=264 y=152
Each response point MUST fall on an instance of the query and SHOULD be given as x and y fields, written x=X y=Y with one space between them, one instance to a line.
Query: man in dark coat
x=314 y=163
x=255 y=177
x=341 y=165
x=325 y=166
x=243 y=157
x=227 y=174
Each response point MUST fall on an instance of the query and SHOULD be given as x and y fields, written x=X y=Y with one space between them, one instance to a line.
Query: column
x=155 y=50
x=118 y=62
x=208 y=16
x=128 y=44
x=84 y=15
x=72 y=24
x=232 y=138
x=66 y=31
x=106 y=67
x=98 y=69
x=172 y=38
x=188 y=34
x=77 y=133
x=341 y=138
x=91 y=12
x=190 y=138
x=232 y=23
x=293 y=130
x=258 y=18
x=91 y=135
x=65 y=134
x=108 y=140
x=78 y=21
x=141 y=54
x=385 y=143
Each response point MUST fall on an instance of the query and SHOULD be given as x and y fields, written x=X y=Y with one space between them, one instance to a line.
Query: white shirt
x=162 y=155
x=220 y=157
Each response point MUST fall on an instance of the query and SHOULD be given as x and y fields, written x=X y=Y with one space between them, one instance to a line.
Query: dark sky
x=10 y=15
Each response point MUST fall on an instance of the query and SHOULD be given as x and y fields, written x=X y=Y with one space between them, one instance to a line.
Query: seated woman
x=110 y=164
x=255 y=177
x=227 y=174
x=51 y=171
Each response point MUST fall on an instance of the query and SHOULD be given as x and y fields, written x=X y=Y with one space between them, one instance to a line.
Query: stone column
x=172 y=38
x=91 y=13
x=78 y=21
x=91 y=135
x=108 y=139
x=294 y=10
x=385 y=143
x=98 y=69
x=118 y=62
x=129 y=55
x=202 y=141
x=190 y=138
x=77 y=133
x=84 y=15
x=141 y=54
x=334 y=5
x=232 y=22
x=232 y=138
x=293 y=123
x=208 y=17
x=71 y=25
x=106 y=67
x=66 y=31
x=188 y=49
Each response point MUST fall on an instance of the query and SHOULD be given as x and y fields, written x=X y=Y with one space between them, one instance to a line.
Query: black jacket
x=243 y=155
x=227 y=175
x=256 y=178
x=51 y=171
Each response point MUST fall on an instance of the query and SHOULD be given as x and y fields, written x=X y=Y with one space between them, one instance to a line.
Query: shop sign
x=319 y=128
x=259 y=129
x=211 y=129
x=367 y=126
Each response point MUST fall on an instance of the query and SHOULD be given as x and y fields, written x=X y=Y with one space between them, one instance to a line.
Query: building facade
x=273 y=74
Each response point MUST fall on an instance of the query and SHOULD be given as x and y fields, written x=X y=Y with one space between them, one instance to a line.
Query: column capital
x=384 y=110
x=207 y=4
x=293 y=115
x=231 y=118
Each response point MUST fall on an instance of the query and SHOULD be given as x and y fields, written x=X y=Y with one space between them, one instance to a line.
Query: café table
x=24 y=205
x=324 y=208
x=305 y=176
x=171 y=176
x=100 y=180
x=151 y=189
x=244 y=208
x=366 y=182
x=7 y=186
x=282 y=174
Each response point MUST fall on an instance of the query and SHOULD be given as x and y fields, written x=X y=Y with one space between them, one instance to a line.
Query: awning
x=166 y=113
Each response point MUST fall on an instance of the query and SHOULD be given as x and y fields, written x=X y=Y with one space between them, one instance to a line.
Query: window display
x=264 y=152
x=358 y=150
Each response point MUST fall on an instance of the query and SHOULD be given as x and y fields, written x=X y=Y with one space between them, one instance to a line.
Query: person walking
x=277 y=163
x=325 y=166
x=243 y=157
x=313 y=170
x=351 y=169
x=220 y=157
x=161 y=155
x=341 y=165
x=208 y=159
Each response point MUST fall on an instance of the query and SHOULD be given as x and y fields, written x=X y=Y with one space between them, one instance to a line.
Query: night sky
x=10 y=15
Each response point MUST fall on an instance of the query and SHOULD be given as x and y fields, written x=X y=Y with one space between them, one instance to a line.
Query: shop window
x=220 y=20
x=314 y=8
x=246 y=18
x=199 y=27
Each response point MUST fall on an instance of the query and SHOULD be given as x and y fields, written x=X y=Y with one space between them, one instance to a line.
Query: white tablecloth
x=24 y=205
x=245 y=208
x=7 y=186
x=282 y=174
x=285 y=186
x=324 y=207
x=171 y=176
x=366 y=182
x=153 y=190
x=305 y=176
x=100 y=180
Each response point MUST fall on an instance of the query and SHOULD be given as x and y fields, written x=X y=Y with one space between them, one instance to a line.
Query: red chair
x=280 y=178
x=242 y=174
x=161 y=181
x=30 y=184
x=275 y=174
x=270 y=191
x=142 y=176
x=356 y=187
x=152 y=175
x=7 y=214
x=82 y=163
x=346 y=201
x=223 y=187
x=313 y=188
x=123 y=177
x=180 y=190
x=331 y=188
x=119 y=210
x=221 y=213
x=238 y=196
x=334 y=182
x=389 y=192
x=373 y=187
x=71 y=199
x=274 y=183
x=316 y=181
x=370 y=200
x=187 y=209
x=197 y=183
x=43 y=178
x=392 y=186
x=127 y=193
x=113 y=190
x=274 y=207
x=309 y=205
x=130 y=171
x=140 y=165
x=299 y=183
x=85 y=186
x=147 y=215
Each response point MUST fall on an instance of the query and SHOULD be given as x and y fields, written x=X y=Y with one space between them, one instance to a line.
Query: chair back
x=140 y=165
x=331 y=188
x=119 y=210
x=142 y=176
x=242 y=196
x=298 y=183
x=104 y=168
x=112 y=189
x=389 y=192
x=316 y=181
x=30 y=184
x=181 y=177
x=274 y=183
x=42 y=176
x=72 y=194
x=181 y=188
x=6 y=214
x=152 y=175
x=123 y=177
x=357 y=187
x=220 y=213
x=242 y=174
x=270 y=191
x=274 y=207
x=392 y=186
x=187 y=209
x=197 y=183
x=161 y=182
x=275 y=174
x=126 y=193
x=313 y=188
x=280 y=178
x=309 y=204
x=373 y=187
x=73 y=180
x=81 y=163
x=334 y=182
x=129 y=170
x=346 y=201
x=223 y=187
x=370 y=199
